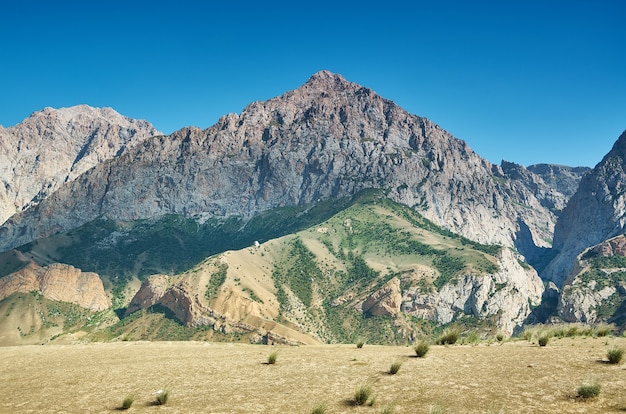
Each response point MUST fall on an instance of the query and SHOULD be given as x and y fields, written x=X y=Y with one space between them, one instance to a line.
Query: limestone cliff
x=506 y=295
x=57 y=282
x=327 y=139
x=54 y=146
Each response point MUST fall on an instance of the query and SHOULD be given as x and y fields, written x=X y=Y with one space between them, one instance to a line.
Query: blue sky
x=525 y=81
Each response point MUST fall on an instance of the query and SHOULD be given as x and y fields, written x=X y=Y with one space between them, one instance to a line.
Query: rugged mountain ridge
x=54 y=146
x=595 y=213
x=327 y=139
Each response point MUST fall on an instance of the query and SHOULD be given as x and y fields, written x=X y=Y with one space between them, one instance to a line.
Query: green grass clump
x=362 y=394
x=128 y=402
x=319 y=409
x=499 y=337
x=587 y=391
x=448 y=337
x=271 y=359
x=395 y=367
x=162 y=397
x=615 y=355
x=421 y=349
x=543 y=340
x=360 y=344
x=388 y=409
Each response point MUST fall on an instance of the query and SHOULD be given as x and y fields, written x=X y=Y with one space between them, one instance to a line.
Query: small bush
x=421 y=349
x=448 y=337
x=271 y=359
x=362 y=394
x=395 y=367
x=587 y=391
x=499 y=337
x=360 y=344
x=615 y=355
x=162 y=397
x=543 y=340
x=604 y=330
x=128 y=402
x=473 y=338
x=319 y=409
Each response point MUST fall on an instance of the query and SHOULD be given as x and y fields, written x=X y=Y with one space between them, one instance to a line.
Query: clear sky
x=528 y=81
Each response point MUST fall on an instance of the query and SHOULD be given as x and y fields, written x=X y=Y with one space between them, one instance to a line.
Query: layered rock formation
x=327 y=139
x=54 y=146
x=58 y=282
x=596 y=212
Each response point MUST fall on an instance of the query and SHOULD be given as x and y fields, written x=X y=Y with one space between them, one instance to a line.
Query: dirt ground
x=516 y=377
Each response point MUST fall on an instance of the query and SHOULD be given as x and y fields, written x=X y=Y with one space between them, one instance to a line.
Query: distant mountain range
x=126 y=202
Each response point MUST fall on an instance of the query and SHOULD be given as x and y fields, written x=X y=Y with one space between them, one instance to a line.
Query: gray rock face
x=563 y=179
x=596 y=212
x=552 y=185
x=54 y=146
x=594 y=292
x=506 y=296
x=327 y=139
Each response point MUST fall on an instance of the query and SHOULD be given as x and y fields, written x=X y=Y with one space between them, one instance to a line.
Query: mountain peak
x=325 y=79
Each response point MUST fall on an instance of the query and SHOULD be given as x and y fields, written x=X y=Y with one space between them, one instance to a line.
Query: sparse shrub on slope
x=615 y=355
x=449 y=337
x=421 y=349
x=128 y=402
x=395 y=367
x=588 y=391
x=362 y=394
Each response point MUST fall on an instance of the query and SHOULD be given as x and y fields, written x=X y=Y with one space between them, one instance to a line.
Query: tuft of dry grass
x=271 y=359
x=512 y=376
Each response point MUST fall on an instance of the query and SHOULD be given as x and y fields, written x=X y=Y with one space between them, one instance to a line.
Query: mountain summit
x=329 y=138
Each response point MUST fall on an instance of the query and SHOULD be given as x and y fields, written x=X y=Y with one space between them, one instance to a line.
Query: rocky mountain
x=327 y=139
x=373 y=263
x=562 y=178
x=552 y=185
x=54 y=146
x=596 y=290
x=595 y=213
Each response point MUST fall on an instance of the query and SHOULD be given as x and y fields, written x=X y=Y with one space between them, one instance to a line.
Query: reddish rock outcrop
x=59 y=282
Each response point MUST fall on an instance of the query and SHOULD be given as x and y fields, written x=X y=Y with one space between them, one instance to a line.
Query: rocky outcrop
x=596 y=212
x=327 y=139
x=596 y=287
x=54 y=146
x=506 y=296
x=58 y=282
x=386 y=301
x=150 y=293
x=562 y=178
x=552 y=185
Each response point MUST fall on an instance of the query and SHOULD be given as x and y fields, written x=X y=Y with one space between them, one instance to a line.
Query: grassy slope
x=342 y=253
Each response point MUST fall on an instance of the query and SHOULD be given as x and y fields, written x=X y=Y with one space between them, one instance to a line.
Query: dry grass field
x=515 y=377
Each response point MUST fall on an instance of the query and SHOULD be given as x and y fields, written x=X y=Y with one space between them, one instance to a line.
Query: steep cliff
x=327 y=139
x=57 y=282
x=595 y=213
x=596 y=289
x=54 y=146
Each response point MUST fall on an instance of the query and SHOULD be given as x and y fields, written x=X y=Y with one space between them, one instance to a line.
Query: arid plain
x=513 y=377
